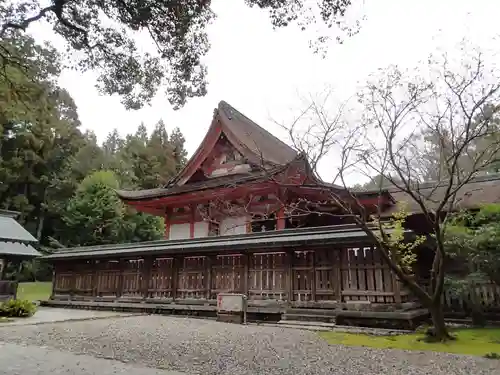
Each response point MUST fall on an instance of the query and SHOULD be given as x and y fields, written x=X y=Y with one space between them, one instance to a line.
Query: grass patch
x=34 y=291
x=473 y=341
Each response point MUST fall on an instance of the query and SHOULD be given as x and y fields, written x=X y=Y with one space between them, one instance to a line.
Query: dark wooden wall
x=301 y=276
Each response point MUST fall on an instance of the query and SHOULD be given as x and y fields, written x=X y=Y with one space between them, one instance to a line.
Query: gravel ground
x=207 y=347
x=32 y=360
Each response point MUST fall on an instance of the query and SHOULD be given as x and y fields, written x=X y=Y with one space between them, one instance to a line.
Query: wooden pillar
x=166 y=218
x=246 y=265
x=72 y=288
x=120 y=284
x=289 y=274
x=94 y=265
x=175 y=276
x=337 y=275
x=280 y=220
x=3 y=266
x=211 y=259
x=396 y=285
x=52 y=292
x=192 y=221
x=146 y=276
x=313 y=280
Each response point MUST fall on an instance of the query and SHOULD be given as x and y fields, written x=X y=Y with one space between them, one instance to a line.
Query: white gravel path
x=31 y=360
x=206 y=347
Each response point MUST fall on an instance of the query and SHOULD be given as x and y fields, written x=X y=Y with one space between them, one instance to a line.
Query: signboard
x=228 y=302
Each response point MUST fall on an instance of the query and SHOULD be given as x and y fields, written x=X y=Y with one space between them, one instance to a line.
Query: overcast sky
x=261 y=72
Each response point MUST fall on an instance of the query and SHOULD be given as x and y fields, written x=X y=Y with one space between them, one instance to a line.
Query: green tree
x=475 y=237
x=39 y=124
x=472 y=240
x=150 y=161
x=163 y=154
x=95 y=216
x=102 y=35
x=178 y=143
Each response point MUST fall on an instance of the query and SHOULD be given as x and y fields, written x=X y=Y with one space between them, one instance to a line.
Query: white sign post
x=232 y=308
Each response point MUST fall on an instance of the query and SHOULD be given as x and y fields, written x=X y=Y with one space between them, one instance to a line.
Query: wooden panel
x=487 y=294
x=228 y=272
x=302 y=275
x=83 y=282
x=132 y=278
x=267 y=276
x=108 y=275
x=324 y=280
x=192 y=278
x=370 y=276
x=363 y=270
x=64 y=278
x=161 y=280
x=336 y=275
x=327 y=274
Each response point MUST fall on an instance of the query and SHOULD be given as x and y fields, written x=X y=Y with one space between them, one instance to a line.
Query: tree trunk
x=39 y=229
x=440 y=332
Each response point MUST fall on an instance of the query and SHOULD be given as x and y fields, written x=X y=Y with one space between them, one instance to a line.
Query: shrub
x=15 y=308
x=492 y=355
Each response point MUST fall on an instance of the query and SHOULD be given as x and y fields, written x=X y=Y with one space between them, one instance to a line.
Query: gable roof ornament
x=267 y=153
x=251 y=140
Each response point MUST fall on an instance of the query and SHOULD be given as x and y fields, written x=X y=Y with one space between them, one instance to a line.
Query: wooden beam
x=166 y=218
x=337 y=274
x=3 y=266
x=208 y=275
x=175 y=276
x=289 y=274
x=73 y=282
x=280 y=220
x=121 y=268
x=53 y=282
x=246 y=264
x=146 y=275
x=396 y=285
x=313 y=280
x=95 y=279
x=206 y=146
x=192 y=221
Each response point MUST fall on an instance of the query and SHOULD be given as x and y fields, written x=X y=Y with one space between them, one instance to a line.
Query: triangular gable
x=252 y=142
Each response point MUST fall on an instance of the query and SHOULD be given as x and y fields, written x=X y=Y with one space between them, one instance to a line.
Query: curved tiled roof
x=477 y=192
x=223 y=181
x=256 y=143
x=255 y=138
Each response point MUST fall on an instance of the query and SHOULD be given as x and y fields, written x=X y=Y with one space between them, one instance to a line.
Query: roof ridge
x=223 y=105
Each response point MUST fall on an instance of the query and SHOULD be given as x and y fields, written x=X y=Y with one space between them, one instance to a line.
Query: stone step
x=308 y=318
x=297 y=326
x=318 y=312
x=306 y=323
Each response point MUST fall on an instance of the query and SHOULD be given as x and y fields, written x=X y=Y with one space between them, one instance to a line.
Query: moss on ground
x=473 y=341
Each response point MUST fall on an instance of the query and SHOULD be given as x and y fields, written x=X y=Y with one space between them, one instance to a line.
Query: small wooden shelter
x=230 y=226
x=15 y=246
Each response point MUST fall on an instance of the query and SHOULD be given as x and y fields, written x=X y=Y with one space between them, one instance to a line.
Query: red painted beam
x=280 y=220
x=191 y=222
x=203 y=151
x=166 y=218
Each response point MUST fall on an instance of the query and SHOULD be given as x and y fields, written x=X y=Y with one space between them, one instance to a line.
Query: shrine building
x=247 y=215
